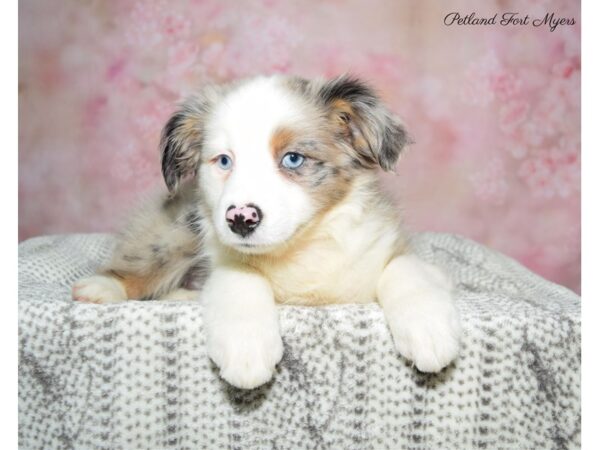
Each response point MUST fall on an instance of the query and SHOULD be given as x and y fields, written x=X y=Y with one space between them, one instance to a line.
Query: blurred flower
x=513 y=114
x=552 y=173
x=489 y=183
x=505 y=85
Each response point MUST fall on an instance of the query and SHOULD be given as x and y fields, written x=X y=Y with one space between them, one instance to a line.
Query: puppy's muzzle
x=243 y=220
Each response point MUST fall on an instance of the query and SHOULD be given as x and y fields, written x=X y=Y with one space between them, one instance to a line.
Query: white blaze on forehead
x=242 y=125
x=246 y=118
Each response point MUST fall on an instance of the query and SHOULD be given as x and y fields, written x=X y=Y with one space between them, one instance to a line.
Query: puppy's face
x=272 y=153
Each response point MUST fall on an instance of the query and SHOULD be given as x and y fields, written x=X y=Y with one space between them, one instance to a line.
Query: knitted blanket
x=136 y=376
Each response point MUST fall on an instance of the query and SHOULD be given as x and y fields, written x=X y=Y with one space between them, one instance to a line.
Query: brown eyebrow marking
x=282 y=137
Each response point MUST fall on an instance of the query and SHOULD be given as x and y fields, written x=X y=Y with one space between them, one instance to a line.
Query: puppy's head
x=271 y=154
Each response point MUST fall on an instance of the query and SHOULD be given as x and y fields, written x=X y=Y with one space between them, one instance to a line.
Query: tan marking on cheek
x=281 y=138
x=339 y=156
x=332 y=191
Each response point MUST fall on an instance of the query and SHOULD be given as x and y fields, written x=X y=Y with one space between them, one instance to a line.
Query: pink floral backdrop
x=494 y=111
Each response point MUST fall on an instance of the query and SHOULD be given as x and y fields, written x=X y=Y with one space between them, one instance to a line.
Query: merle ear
x=376 y=136
x=182 y=138
x=180 y=146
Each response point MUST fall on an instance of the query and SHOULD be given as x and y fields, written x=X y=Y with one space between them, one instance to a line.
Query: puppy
x=273 y=198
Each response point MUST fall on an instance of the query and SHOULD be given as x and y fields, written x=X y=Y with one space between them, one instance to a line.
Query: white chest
x=339 y=265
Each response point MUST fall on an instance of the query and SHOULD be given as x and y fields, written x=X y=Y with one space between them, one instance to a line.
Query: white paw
x=426 y=329
x=245 y=352
x=99 y=289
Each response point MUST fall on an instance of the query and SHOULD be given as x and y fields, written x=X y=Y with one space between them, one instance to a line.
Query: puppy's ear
x=182 y=138
x=376 y=136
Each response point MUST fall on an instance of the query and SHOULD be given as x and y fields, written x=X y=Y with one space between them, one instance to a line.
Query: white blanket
x=136 y=376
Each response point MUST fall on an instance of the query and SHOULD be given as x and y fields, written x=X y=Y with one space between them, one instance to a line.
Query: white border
x=590 y=221
x=8 y=232
x=590 y=166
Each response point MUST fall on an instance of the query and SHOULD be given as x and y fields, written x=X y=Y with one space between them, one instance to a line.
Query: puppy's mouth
x=246 y=247
x=259 y=241
x=254 y=244
x=249 y=246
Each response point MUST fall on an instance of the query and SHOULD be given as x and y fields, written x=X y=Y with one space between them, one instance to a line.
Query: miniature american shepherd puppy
x=274 y=198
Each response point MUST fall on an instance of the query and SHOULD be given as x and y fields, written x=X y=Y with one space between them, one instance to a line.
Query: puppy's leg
x=156 y=254
x=416 y=298
x=146 y=279
x=242 y=326
x=182 y=295
x=99 y=289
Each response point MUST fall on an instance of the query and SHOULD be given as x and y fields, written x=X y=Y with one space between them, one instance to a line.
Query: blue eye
x=292 y=160
x=224 y=162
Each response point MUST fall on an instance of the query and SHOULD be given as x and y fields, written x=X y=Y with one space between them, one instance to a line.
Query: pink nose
x=243 y=220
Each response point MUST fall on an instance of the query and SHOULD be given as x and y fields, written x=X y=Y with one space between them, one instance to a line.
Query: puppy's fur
x=325 y=233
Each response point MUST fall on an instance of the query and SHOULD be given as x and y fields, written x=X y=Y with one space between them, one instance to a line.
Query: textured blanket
x=136 y=375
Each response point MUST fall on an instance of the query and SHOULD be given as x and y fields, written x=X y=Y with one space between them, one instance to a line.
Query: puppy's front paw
x=426 y=329
x=246 y=354
x=99 y=289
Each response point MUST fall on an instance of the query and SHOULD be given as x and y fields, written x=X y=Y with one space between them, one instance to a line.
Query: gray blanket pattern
x=136 y=376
